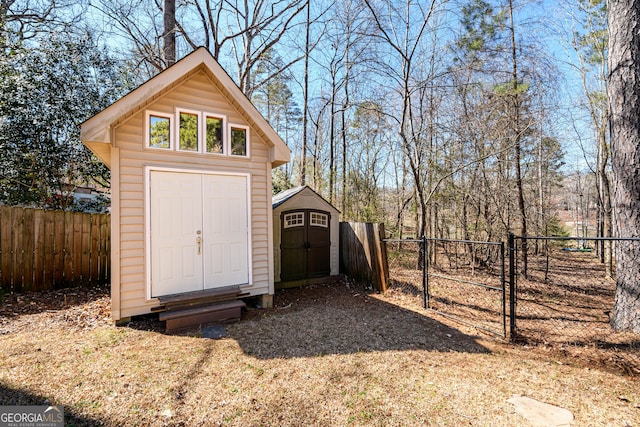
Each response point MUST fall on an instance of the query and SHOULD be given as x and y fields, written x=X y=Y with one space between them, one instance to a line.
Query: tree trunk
x=332 y=137
x=624 y=102
x=518 y=142
x=605 y=199
x=305 y=107
x=169 y=36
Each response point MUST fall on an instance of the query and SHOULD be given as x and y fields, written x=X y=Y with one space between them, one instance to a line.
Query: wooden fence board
x=58 y=249
x=6 y=249
x=49 y=248
x=94 y=273
x=17 y=219
x=68 y=249
x=105 y=248
x=363 y=254
x=38 y=249
x=43 y=250
x=27 y=254
x=77 y=248
x=86 y=249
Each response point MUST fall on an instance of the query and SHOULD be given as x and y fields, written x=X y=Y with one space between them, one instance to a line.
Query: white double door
x=199 y=231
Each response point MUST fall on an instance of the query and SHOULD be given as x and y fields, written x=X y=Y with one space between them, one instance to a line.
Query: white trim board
x=147 y=217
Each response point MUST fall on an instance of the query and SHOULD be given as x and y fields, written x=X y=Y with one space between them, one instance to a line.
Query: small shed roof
x=96 y=132
x=285 y=195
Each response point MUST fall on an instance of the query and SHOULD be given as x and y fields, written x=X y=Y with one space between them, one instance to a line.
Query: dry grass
x=326 y=355
x=562 y=307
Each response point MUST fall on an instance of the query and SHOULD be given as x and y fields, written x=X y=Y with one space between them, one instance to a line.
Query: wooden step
x=217 y=312
x=199 y=298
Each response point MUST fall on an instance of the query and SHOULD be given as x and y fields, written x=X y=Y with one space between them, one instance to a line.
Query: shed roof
x=96 y=132
x=285 y=195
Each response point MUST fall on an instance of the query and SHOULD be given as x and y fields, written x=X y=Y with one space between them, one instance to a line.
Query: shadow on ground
x=342 y=319
x=10 y=396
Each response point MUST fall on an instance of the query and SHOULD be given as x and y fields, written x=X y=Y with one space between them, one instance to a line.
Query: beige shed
x=190 y=160
x=305 y=237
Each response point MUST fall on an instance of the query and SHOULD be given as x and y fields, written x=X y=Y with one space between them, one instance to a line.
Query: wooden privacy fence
x=363 y=254
x=43 y=250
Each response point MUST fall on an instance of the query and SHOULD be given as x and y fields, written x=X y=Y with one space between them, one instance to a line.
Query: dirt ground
x=562 y=305
x=333 y=354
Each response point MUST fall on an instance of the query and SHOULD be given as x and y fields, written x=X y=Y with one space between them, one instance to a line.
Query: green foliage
x=159 y=132
x=556 y=229
x=481 y=25
x=48 y=89
x=188 y=132
x=593 y=41
x=508 y=89
x=214 y=135
x=238 y=142
x=280 y=181
x=274 y=99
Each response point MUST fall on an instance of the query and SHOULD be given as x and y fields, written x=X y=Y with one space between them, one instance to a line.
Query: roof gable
x=286 y=195
x=96 y=132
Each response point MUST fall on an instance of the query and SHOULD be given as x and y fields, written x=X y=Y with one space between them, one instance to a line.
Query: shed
x=305 y=236
x=190 y=159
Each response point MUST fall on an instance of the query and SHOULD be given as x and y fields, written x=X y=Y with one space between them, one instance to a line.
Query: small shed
x=190 y=160
x=305 y=236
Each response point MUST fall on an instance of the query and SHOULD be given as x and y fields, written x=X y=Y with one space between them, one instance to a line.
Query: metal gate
x=460 y=279
x=563 y=292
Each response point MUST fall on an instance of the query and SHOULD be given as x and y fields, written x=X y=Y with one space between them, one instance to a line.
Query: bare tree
x=247 y=29
x=20 y=20
x=624 y=102
x=402 y=28
x=589 y=44
x=261 y=25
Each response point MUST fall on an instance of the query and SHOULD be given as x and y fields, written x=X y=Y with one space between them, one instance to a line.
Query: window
x=188 y=131
x=295 y=219
x=239 y=137
x=158 y=130
x=319 y=220
x=214 y=134
x=196 y=132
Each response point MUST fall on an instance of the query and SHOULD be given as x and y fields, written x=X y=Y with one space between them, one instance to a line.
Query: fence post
x=425 y=275
x=512 y=287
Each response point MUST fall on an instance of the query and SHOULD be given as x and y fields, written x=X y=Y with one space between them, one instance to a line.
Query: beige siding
x=307 y=199
x=200 y=94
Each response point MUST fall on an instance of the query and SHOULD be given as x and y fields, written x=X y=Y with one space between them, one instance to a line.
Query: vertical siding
x=196 y=94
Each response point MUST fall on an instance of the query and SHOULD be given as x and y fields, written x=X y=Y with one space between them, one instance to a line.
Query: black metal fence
x=562 y=301
x=564 y=298
x=461 y=279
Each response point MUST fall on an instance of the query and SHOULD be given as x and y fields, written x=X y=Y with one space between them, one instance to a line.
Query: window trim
x=225 y=135
x=174 y=132
x=198 y=114
x=319 y=214
x=147 y=129
x=299 y=214
x=246 y=140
